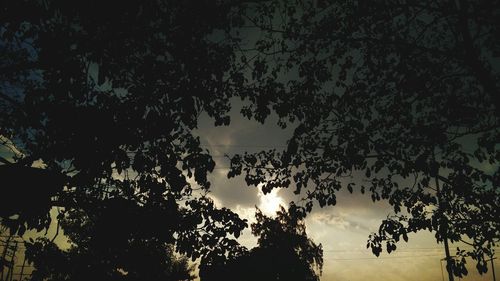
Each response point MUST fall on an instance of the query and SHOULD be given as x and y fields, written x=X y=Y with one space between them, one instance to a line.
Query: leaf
x=405 y=237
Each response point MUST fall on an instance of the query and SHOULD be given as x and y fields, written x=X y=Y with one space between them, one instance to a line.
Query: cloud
x=233 y=192
x=242 y=135
x=331 y=219
x=270 y=203
x=342 y=229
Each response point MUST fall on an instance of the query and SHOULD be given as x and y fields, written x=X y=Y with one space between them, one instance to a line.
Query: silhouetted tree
x=284 y=252
x=105 y=95
x=136 y=260
x=396 y=98
x=41 y=185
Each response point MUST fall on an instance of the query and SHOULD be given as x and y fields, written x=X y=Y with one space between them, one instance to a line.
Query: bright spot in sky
x=269 y=203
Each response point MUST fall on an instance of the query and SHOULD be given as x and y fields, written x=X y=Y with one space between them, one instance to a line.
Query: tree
x=136 y=261
x=284 y=252
x=41 y=185
x=395 y=98
x=105 y=95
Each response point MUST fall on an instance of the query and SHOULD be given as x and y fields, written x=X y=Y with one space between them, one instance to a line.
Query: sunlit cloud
x=270 y=203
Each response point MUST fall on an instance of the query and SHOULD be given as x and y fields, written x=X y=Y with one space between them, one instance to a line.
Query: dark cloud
x=240 y=136
x=233 y=192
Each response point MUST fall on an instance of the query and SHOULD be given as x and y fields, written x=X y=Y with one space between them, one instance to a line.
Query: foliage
x=284 y=252
x=33 y=210
x=136 y=260
x=398 y=99
x=105 y=95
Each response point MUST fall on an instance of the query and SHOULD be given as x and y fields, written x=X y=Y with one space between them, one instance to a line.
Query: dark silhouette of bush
x=284 y=252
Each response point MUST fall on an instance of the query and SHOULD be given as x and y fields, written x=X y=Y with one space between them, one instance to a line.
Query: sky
x=342 y=229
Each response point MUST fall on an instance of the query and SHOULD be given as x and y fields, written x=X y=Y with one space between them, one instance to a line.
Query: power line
x=383 y=258
x=403 y=249
x=240 y=145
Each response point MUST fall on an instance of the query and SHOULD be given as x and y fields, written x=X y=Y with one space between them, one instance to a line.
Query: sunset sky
x=342 y=230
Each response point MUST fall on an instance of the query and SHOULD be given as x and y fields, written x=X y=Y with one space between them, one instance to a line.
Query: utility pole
x=445 y=231
x=448 y=259
x=10 y=273
x=3 y=261
x=493 y=268
x=22 y=268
